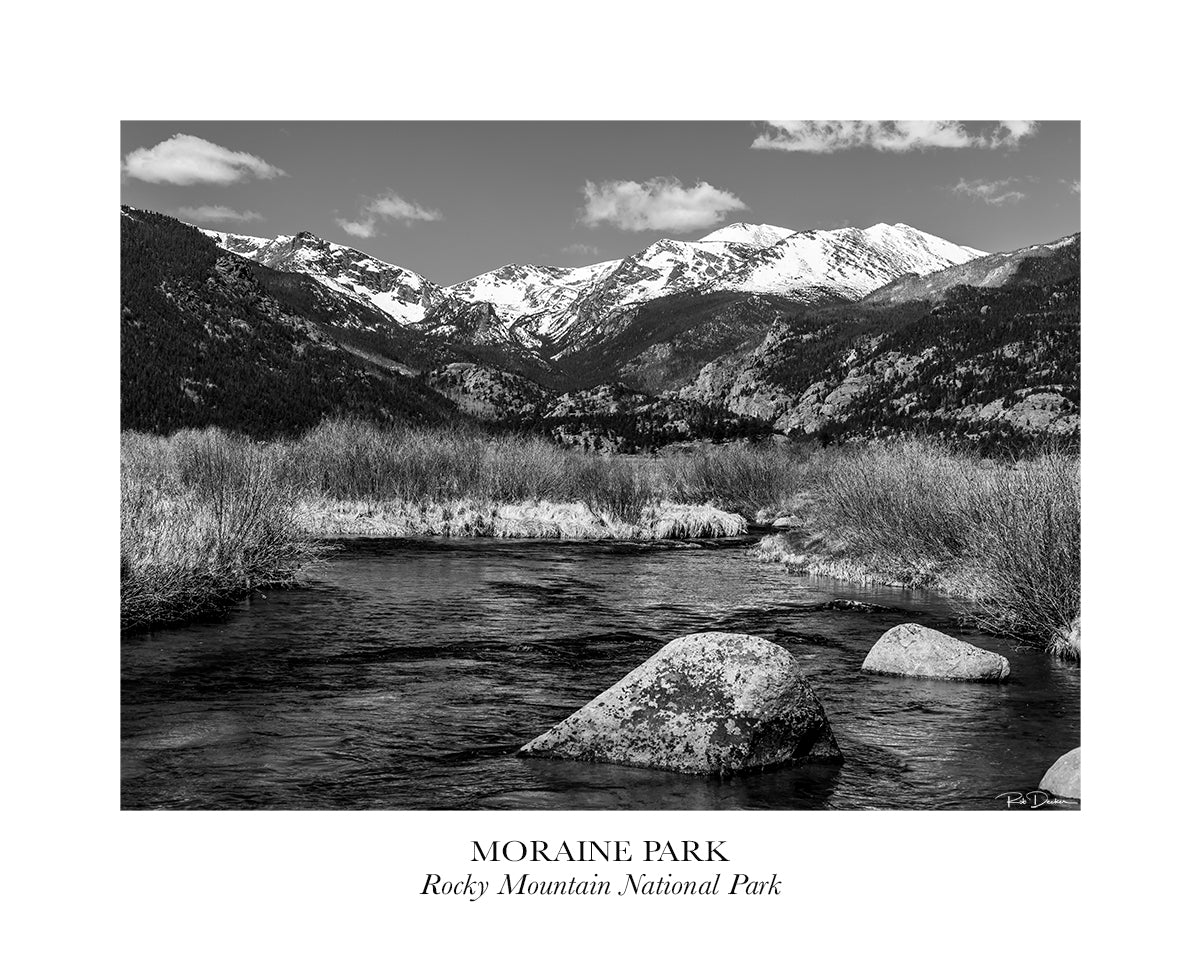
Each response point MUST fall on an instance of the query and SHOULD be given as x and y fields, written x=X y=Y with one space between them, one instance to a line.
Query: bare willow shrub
x=618 y=487
x=1006 y=534
x=203 y=521
x=354 y=460
x=738 y=477
x=1023 y=546
x=907 y=500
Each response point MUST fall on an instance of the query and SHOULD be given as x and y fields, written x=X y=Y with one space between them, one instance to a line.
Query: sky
x=452 y=200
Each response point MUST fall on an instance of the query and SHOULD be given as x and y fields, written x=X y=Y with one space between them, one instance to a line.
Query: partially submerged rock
x=705 y=703
x=911 y=650
x=1062 y=779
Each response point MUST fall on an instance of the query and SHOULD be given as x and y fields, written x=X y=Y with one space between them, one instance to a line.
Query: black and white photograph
x=599 y=465
x=500 y=481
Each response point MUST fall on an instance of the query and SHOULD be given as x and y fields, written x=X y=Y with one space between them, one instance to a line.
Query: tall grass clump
x=1005 y=535
x=906 y=501
x=619 y=489
x=351 y=460
x=1024 y=541
x=744 y=478
x=203 y=521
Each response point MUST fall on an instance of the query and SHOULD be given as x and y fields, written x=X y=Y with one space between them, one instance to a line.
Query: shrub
x=617 y=488
x=740 y=477
x=907 y=500
x=1023 y=546
x=203 y=522
x=1006 y=535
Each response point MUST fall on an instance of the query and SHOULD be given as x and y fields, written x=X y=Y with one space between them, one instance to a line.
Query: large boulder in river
x=1062 y=779
x=911 y=650
x=705 y=703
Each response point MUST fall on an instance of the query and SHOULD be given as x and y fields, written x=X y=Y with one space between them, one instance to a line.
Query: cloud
x=217 y=214
x=387 y=206
x=184 y=159
x=662 y=203
x=994 y=192
x=364 y=228
x=1072 y=184
x=1010 y=132
x=581 y=250
x=891 y=136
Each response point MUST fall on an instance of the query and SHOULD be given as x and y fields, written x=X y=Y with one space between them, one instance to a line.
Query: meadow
x=208 y=516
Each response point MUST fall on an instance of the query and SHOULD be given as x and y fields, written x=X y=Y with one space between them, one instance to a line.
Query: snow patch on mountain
x=848 y=262
x=540 y=305
x=750 y=234
x=400 y=293
x=532 y=298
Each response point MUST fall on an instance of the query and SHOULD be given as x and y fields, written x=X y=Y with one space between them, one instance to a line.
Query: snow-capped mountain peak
x=540 y=306
x=848 y=262
x=532 y=300
x=403 y=294
x=901 y=237
x=751 y=234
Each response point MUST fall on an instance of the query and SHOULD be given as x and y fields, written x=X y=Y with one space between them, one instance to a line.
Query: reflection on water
x=410 y=672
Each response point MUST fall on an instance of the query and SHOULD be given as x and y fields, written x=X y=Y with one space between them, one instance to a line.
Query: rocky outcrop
x=911 y=650
x=1062 y=779
x=486 y=392
x=706 y=703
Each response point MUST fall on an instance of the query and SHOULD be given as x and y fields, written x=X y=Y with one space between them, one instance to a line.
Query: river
x=410 y=671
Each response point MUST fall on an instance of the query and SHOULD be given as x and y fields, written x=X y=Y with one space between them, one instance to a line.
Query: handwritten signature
x=1034 y=799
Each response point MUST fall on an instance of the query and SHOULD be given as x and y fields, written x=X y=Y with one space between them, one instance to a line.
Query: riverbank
x=1003 y=537
x=527 y=520
x=209 y=516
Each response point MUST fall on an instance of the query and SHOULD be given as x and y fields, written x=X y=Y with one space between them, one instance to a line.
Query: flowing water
x=411 y=671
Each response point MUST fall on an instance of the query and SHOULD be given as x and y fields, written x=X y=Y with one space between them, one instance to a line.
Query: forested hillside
x=208 y=338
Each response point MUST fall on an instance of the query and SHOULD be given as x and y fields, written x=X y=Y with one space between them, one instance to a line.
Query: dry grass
x=349 y=460
x=1004 y=535
x=530 y=519
x=741 y=477
x=207 y=516
x=1022 y=543
x=203 y=522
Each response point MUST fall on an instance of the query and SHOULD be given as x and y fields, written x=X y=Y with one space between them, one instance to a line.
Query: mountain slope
x=532 y=301
x=842 y=334
x=664 y=343
x=748 y=234
x=211 y=339
x=555 y=310
x=991 y=270
x=992 y=362
x=400 y=293
x=849 y=262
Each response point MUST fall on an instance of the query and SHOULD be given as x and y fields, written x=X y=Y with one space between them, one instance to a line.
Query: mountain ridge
x=546 y=308
x=291 y=329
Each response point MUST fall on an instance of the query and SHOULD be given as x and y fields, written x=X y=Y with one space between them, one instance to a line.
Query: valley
x=302 y=391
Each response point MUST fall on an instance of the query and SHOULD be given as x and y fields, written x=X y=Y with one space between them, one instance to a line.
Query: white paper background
x=87 y=880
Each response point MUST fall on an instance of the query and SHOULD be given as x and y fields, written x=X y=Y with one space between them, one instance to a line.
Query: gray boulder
x=1062 y=779
x=911 y=650
x=705 y=703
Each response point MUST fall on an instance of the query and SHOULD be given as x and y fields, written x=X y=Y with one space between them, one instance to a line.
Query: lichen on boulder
x=911 y=650
x=706 y=703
